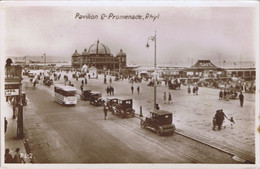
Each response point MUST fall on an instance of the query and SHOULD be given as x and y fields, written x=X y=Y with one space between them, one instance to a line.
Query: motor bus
x=65 y=95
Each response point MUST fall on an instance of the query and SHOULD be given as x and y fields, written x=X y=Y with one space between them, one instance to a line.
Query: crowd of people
x=223 y=94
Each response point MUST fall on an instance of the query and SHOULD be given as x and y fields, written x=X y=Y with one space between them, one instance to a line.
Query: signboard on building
x=11 y=92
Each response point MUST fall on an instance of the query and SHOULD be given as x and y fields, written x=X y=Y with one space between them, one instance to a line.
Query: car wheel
x=142 y=124
x=130 y=111
x=158 y=132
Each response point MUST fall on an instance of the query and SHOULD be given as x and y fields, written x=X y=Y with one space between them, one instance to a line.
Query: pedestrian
x=157 y=107
x=86 y=80
x=232 y=122
x=18 y=157
x=108 y=90
x=164 y=97
x=81 y=87
x=220 y=116
x=105 y=80
x=132 y=89
x=193 y=90
x=6 y=123
x=34 y=83
x=214 y=123
x=220 y=95
x=241 y=99
x=105 y=112
x=170 y=99
x=8 y=156
x=138 y=89
x=189 y=89
x=197 y=90
x=82 y=82
x=225 y=95
x=112 y=90
x=110 y=80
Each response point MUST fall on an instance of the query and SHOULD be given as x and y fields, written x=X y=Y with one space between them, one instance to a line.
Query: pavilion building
x=99 y=55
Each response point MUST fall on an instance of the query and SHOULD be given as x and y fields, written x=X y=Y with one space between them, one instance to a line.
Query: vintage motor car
x=159 y=121
x=124 y=108
x=111 y=103
x=47 y=81
x=85 y=95
x=174 y=85
x=96 y=99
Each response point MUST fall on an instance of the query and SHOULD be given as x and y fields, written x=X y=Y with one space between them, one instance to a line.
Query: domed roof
x=121 y=53
x=76 y=53
x=99 y=49
x=85 y=52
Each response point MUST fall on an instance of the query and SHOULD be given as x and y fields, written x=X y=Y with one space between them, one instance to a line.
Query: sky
x=184 y=34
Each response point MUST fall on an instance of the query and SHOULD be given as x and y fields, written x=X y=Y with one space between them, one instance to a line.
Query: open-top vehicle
x=159 y=121
x=124 y=108
x=96 y=99
x=85 y=95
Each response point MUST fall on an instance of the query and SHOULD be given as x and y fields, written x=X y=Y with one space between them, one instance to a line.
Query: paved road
x=79 y=134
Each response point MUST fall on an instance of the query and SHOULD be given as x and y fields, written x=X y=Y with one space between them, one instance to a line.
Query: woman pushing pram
x=219 y=118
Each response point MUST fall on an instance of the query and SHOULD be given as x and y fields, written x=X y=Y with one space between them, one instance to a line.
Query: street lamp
x=153 y=38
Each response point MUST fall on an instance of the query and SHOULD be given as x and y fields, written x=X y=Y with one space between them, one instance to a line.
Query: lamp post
x=44 y=62
x=153 y=38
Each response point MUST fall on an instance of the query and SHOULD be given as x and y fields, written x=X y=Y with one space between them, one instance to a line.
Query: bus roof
x=65 y=88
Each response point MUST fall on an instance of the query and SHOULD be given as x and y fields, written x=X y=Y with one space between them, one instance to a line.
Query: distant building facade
x=99 y=55
x=204 y=68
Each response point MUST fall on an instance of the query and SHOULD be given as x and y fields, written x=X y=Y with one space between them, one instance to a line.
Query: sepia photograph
x=164 y=83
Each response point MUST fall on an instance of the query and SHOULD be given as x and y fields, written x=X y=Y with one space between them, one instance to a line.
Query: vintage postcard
x=130 y=84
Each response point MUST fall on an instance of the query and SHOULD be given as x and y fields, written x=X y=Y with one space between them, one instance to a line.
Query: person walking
x=189 y=89
x=81 y=87
x=220 y=116
x=6 y=123
x=138 y=90
x=132 y=89
x=197 y=90
x=112 y=90
x=170 y=99
x=225 y=95
x=220 y=95
x=110 y=80
x=86 y=80
x=193 y=90
x=108 y=90
x=241 y=99
x=8 y=156
x=105 y=112
x=18 y=157
x=164 y=97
